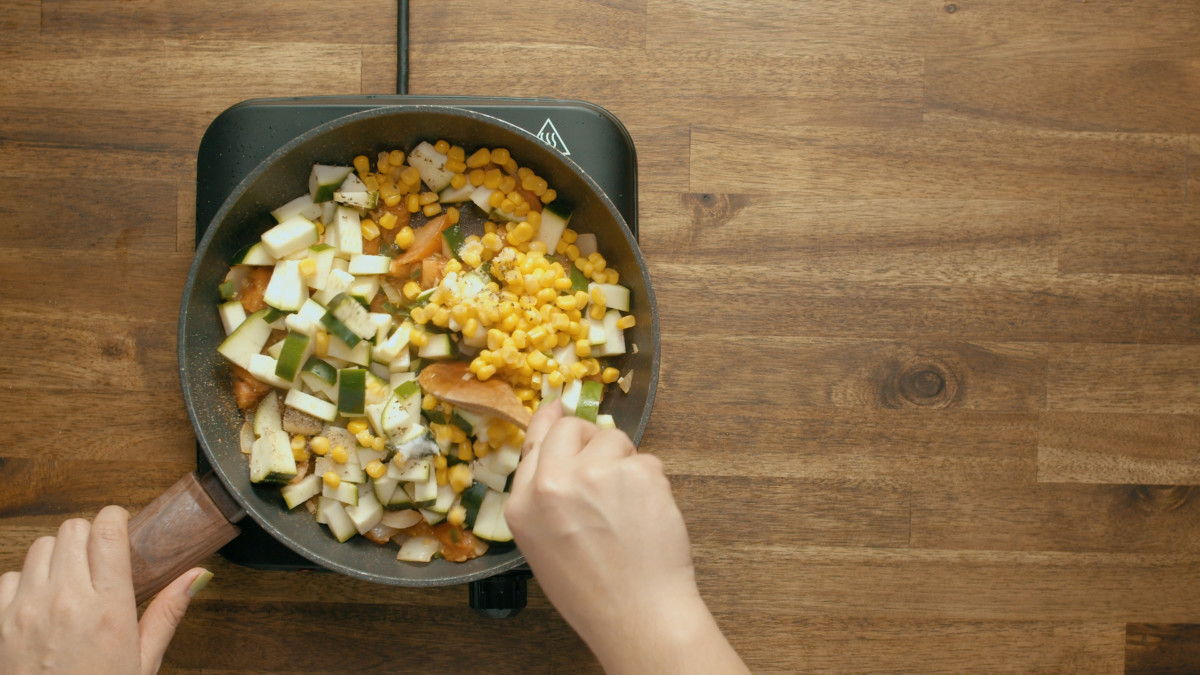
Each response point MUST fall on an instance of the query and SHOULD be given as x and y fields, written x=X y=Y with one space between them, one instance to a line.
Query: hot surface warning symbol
x=549 y=135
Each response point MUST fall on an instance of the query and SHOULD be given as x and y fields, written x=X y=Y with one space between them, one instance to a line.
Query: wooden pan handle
x=185 y=525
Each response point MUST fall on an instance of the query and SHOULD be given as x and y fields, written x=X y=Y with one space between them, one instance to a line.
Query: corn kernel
x=412 y=203
x=378 y=444
x=570 y=236
x=456 y=166
x=440 y=475
x=356 y=426
x=500 y=156
x=592 y=365
x=332 y=479
x=564 y=339
x=464 y=453
x=319 y=444
x=609 y=375
x=577 y=370
x=382 y=163
x=365 y=438
x=460 y=475
x=429 y=402
x=431 y=210
x=507 y=184
x=573 y=254
x=534 y=218
x=476 y=177
x=566 y=302
x=583 y=348
x=396 y=158
x=405 y=237
x=457 y=515
x=627 y=321
x=376 y=469
x=362 y=165
x=393 y=199
x=453 y=215
x=308 y=267
x=485 y=373
x=612 y=276
x=370 y=230
x=298 y=442
x=300 y=454
x=321 y=343
x=410 y=176
x=339 y=454
x=548 y=196
x=439 y=461
x=419 y=338
x=555 y=378
x=492 y=178
x=479 y=158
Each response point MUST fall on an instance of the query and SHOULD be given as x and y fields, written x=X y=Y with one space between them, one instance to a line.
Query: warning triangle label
x=549 y=135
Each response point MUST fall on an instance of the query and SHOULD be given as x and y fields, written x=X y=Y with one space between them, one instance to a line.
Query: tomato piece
x=427 y=240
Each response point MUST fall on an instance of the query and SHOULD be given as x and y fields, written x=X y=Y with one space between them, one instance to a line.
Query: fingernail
x=199 y=584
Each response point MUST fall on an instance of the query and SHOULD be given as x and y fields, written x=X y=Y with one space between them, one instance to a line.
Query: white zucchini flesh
x=232 y=315
x=614 y=342
x=267 y=416
x=616 y=296
x=300 y=206
x=247 y=339
x=271 y=458
x=367 y=513
x=312 y=310
x=552 y=227
x=307 y=403
x=349 y=232
x=445 y=497
x=570 y=396
x=490 y=478
x=262 y=367
x=383 y=326
x=322 y=255
x=356 y=317
x=453 y=195
x=359 y=354
x=286 y=291
x=424 y=493
x=369 y=264
x=385 y=487
x=438 y=346
x=596 y=333
x=480 y=197
x=274 y=350
x=504 y=460
x=298 y=493
x=490 y=523
x=431 y=164
x=246 y=437
x=298 y=323
x=605 y=422
x=432 y=517
x=346 y=492
x=294 y=234
x=414 y=470
x=390 y=348
x=325 y=179
x=315 y=384
x=418 y=549
x=335 y=517
x=365 y=287
x=339 y=282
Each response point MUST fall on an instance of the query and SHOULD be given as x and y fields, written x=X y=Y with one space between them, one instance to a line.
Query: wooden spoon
x=451 y=381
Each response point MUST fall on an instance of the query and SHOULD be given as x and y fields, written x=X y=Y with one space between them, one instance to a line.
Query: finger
x=108 y=552
x=543 y=419
x=70 y=551
x=562 y=443
x=37 y=562
x=8 y=588
x=609 y=445
x=163 y=614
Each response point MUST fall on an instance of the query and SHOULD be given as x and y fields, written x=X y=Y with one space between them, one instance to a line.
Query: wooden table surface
x=928 y=274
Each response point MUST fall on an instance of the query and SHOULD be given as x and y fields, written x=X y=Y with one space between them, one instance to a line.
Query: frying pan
x=198 y=514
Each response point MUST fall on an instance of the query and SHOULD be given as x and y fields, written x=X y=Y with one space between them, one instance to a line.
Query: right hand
x=598 y=525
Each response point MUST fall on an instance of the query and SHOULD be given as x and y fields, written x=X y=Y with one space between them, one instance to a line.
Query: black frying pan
x=195 y=517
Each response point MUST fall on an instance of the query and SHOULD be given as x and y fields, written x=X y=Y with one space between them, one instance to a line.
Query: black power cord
x=401 y=47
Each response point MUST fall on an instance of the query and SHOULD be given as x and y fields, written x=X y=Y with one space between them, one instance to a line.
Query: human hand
x=598 y=525
x=71 y=609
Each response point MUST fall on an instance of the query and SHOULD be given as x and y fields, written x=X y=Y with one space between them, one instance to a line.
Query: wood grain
x=927 y=274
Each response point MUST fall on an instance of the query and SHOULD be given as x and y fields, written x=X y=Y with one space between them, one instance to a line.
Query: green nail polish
x=199 y=584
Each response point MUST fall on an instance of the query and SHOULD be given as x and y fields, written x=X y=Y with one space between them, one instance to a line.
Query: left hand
x=71 y=609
